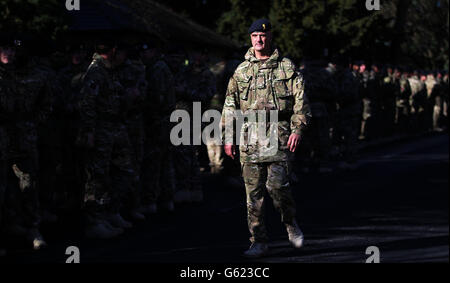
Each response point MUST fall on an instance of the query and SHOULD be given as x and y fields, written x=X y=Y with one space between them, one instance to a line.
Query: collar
x=272 y=62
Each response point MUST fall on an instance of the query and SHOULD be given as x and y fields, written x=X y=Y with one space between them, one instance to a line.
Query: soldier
x=403 y=110
x=110 y=168
x=266 y=81
x=434 y=95
x=7 y=54
x=50 y=142
x=194 y=83
x=70 y=78
x=445 y=92
x=417 y=101
x=370 y=90
x=223 y=72
x=158 y=171
x=389 y=89
x=348 y=115
x=26 y=103
x=131 y=74
x=321 y=90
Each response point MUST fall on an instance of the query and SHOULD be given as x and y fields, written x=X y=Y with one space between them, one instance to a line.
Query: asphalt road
x=396 y=200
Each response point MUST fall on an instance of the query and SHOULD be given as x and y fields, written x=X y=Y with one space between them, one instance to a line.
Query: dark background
x=408 y=33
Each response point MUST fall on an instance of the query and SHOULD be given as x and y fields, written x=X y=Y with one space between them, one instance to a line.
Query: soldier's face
x=7 y=55
x=362 y=68
x=261 y=41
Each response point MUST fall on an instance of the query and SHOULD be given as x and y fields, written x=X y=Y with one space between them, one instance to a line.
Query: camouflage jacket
x=349 y=95
x=432 y=87
x=321 y=89
x=25 y=95
x=198 y=84
x=103 y=95
x=71 y=81
x=390 y=88
x=418 y=94
x=131 y=75
x=270 y=85
x=405 y=92
x=160 y=99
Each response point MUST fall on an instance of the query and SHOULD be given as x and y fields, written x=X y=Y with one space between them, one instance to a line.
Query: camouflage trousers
x=158 y=174
x=369 y=122
x=215 y=154
x=437 y=112
x=111 y=174
x=273 y=178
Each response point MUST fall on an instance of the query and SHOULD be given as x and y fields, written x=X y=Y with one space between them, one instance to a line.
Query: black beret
x=261 y=25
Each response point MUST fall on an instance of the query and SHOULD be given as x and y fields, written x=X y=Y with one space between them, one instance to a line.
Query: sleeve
x=300 y=119
x=228 y=113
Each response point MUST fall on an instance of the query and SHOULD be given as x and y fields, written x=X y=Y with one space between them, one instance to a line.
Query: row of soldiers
x=93 y=136
x=350 y=103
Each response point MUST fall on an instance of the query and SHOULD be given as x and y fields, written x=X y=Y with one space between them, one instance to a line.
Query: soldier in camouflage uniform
x=7 y=52
x=403 y=109
x=70 y=79
x=26 y=102
x=266 y=81
x=223 y=72
x=194 y=83
x=348 y=115
x=370 y=92
x=417 y=102
x=321 y=89
x=158 y=169
x=131 y=75
x=445 y=93
x=50 y=142
x=389 y=89
x=434 y=95
x=111 y=170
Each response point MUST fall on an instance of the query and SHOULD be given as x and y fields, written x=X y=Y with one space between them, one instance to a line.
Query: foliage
x=33 y=16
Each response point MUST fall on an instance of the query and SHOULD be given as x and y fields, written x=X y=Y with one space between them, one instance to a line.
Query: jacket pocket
x=243 y=83
x=282 y=91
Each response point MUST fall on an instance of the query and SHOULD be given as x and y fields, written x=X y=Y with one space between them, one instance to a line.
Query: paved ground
x=396 y=200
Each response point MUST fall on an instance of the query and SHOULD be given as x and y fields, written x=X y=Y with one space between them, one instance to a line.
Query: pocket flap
x=282 y=75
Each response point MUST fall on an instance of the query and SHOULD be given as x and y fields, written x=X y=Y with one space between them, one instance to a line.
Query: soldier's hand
x=293 y=142
x=230 y=150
